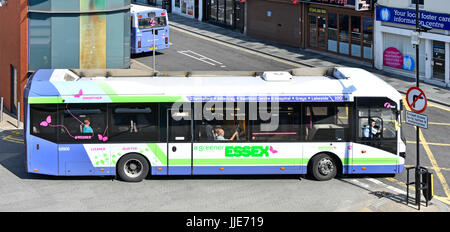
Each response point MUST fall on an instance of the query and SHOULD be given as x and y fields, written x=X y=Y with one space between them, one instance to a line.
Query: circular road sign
x=416 y=100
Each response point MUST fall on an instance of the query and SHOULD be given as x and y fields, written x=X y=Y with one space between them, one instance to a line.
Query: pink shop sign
x=393 y=57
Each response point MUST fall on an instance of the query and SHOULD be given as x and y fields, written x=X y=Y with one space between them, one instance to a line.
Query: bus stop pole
x=154 y=55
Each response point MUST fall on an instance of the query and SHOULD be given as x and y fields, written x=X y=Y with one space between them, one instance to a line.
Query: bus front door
x=179 y=145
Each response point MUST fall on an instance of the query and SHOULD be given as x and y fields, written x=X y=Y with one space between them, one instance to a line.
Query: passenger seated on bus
x=220 y=134
x=372 y=130
x=86 y=127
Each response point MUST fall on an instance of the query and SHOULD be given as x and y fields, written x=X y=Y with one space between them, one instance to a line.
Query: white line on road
x=201 y=58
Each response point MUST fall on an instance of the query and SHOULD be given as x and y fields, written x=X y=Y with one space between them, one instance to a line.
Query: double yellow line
x=10 y=138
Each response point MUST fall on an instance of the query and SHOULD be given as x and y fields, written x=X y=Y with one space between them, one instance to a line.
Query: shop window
x=221 y=122
x=286 y=115
x=134 y=122
x=332 y=32
x=367 y=37
x=344 y=34
x=43 y=121
x=356 y=36
x=324 y=122
x=82 y=123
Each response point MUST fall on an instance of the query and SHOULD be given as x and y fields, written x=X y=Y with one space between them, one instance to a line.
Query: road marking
x=9 y=138
x=440 y=107
x=241 y=49
x=433 y=144
x=201 y=58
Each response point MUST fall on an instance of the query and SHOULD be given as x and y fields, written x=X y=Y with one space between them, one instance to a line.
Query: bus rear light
x=167 y=40
x=139 y=44
x=163 y=13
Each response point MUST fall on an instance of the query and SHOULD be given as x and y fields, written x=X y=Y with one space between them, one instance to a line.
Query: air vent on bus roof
x=277 y=76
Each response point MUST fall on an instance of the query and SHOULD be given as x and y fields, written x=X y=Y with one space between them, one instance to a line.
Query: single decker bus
x=144 y=22
x=132 y=124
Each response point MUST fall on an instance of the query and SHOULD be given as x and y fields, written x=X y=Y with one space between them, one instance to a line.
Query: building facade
x=343 y=28
x=394 y=32
x=60 y=34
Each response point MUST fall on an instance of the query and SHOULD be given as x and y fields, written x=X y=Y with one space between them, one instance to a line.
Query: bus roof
x=141 y=8
x=128 y=85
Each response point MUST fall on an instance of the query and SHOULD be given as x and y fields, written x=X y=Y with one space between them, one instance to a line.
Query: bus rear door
x=179 y=144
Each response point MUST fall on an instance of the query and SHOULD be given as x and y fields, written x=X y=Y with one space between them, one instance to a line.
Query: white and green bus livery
x=132 y=124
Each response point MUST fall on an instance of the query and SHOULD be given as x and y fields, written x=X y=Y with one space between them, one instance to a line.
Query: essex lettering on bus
x=247 y=151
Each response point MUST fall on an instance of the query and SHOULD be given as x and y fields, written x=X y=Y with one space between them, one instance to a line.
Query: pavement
x=306 y=57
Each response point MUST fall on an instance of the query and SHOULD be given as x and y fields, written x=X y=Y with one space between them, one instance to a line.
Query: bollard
x=18 y=115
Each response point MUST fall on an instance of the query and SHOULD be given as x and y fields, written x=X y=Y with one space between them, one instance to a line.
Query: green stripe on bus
x=161 y=155
x=354 y=161
x=41 y=100
x=117 y=98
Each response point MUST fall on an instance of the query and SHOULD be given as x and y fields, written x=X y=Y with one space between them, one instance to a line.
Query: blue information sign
x=408 y=17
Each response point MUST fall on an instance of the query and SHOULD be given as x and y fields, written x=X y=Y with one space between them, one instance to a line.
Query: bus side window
x=43 y=121
x=221 y=122
x=325 y=122
x=82 y=123
x=134 y=122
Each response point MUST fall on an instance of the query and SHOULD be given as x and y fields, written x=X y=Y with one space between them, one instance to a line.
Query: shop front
x=394 y=47
x=340 y=30
x=227 y=13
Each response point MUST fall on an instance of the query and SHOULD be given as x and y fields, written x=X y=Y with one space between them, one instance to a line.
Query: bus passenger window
x=286 y=121
x=222 y=122
x=43 y=120
x=326 y=122
x=82 y=123
x=134 y=122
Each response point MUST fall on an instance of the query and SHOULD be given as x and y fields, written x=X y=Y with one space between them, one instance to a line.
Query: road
x=188 y=52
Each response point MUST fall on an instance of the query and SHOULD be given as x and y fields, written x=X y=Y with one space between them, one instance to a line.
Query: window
x=152 y=22
x=134 y=122
x=43 y=121
x=286 y=118
x=82 y=123
x=344 y=34
x=332 y=32
x=221 y=122
x=367 y=37
x=325 y=122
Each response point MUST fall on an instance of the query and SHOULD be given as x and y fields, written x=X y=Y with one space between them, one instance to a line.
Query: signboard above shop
x=359 y=5
x=408 y=17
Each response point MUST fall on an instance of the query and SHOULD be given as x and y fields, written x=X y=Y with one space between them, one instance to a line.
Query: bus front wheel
x=323 y=167
x=133 y=168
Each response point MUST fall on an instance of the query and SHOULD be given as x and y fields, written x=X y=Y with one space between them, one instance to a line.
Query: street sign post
x=415 y=119
x=417 y=102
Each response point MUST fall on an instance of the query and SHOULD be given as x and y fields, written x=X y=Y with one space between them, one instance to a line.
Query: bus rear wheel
x=133 y=168
x=323 y=167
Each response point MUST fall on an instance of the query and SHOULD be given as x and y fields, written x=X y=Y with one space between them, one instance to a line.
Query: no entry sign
x=416 y=100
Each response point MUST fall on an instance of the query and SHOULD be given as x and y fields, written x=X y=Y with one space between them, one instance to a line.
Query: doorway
x=439 y=60
x=317 y=32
